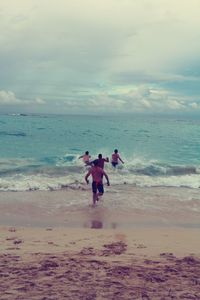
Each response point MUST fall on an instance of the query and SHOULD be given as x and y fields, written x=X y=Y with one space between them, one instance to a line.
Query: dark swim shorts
x=97 y=186
x=114 y=164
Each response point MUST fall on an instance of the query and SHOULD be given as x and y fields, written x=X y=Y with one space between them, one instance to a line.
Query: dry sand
x=149 y=261
x=63 y=263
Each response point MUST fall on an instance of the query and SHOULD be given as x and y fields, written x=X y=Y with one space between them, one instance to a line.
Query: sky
x=99 y=57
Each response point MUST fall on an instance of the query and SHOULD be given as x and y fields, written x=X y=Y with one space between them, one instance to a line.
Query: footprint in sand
x=12 y=229
x=13 y=248
x=88 y=251
x=168 y=255
x=114 y=248
x=141 y=246
x=16 y=242
x=11 y=238
x=52 y=243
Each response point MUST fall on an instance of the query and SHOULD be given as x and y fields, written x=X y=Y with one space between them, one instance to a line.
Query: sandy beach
x=100 y=150
x=51 y=251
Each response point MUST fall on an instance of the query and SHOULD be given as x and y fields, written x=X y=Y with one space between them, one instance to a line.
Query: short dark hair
x=86 y=152
x=116 y=151
x=100 y=156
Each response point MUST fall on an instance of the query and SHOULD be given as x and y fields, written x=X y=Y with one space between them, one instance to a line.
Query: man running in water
x=102 y=160
x=86 y=158
x=97 y=174
x=115 y=158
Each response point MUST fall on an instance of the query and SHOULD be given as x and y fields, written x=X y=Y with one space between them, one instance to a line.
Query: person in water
x=97 y=174
x=102 y=160
x=86 y=158
x=116 y=158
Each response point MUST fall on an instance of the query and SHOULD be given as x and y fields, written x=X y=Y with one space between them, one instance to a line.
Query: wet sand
x=51 y=251
x=120 y=207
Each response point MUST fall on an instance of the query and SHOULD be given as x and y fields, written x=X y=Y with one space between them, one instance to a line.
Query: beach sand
x=51 y=251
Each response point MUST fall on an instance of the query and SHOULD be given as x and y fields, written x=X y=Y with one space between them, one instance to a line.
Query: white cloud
x=174 y=105
x=146 y=103
x=9 y=98
x=194 y=105
x=138 y=99
x=40 y=101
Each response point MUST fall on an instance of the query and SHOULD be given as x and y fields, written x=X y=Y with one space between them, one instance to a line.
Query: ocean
x=41 y=152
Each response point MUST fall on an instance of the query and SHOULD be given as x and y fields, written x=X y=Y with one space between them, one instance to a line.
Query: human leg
x=100 y=189
x=94 y=190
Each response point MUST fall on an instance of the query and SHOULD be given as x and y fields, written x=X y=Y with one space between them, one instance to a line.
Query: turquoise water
x=41 y=151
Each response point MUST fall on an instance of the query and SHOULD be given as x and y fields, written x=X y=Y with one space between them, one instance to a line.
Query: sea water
x=41 y=152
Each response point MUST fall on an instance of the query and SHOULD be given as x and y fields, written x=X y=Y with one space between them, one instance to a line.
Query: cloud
x=9 y=98
x=146 y=99
x=82 y=54
x=141 y=99
x=194 y=105
x=139 y=77
x=40 y=101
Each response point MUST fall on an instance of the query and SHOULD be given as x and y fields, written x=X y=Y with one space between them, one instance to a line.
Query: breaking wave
x=53 y=173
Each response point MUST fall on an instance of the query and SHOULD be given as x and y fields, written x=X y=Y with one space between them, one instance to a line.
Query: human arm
x=121 y=159
x=81 y=156
x=106 y=159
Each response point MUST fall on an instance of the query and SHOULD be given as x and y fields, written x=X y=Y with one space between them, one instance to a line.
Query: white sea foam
x=44 y=182
x=53 y=173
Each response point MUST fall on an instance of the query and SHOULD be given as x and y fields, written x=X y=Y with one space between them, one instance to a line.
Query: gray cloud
x=83 y=53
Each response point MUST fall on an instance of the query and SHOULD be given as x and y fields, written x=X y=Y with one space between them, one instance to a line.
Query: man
x=97 y=174
x=116 y=158
x=86 y=158
x=102 y=160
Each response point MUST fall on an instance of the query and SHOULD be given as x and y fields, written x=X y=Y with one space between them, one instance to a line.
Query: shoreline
x=51 y=249
x=121 y=207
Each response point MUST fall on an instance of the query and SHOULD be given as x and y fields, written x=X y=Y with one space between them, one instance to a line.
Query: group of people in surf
x=97 y=171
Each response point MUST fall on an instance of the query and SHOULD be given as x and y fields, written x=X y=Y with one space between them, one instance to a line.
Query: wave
x=162 y=170
x=17 y=134
x=52 y=173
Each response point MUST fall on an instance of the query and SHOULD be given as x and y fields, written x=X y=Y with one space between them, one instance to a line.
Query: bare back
x=115 y=157
x=97 y=173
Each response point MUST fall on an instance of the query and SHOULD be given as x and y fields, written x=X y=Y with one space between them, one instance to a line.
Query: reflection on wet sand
x=113 y=225
x=98 y=218
x=96 y=224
